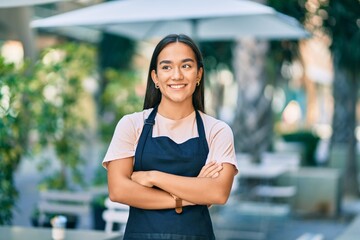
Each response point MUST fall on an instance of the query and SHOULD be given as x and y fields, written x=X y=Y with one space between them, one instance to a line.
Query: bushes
x=16 y=93
x=309 y=141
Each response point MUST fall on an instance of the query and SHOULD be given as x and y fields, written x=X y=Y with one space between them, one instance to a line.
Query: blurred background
x=292 y=103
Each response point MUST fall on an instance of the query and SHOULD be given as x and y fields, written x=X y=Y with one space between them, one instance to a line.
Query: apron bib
x=185 y=159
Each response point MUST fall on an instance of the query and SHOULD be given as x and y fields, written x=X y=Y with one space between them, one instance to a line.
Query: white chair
x=115 y=213
x=65 y=202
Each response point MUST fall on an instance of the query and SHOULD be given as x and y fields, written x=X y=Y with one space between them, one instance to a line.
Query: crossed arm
x=211 y=186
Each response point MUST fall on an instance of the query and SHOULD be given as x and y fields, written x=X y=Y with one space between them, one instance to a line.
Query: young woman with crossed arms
x=171 y=161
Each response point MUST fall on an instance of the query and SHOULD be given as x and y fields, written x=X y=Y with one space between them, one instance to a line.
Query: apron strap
x=148 y=125
x=201 y=131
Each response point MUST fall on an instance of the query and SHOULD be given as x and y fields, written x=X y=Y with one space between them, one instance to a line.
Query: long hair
x=153 y=95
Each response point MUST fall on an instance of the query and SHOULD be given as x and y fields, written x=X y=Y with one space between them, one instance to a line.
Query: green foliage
x=285 y=50
x=117 y=94
x=218 y=52
x=61 y=115
x=309 y=140
x=341 y=22
x=117 y=91
x=56 y=118
x=119 y=98
x=293 y=8
x=115 y=52
x=16 y=91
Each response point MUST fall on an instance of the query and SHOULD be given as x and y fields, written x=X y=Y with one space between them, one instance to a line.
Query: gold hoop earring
x=198 y=83
x=157 y=86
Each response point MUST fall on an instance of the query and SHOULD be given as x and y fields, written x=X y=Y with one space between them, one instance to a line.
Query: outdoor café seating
x=64 y=202
x=115 y=213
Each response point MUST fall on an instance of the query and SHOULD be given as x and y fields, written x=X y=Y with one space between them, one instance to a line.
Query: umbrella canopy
x=22 y=3
x=201 y=19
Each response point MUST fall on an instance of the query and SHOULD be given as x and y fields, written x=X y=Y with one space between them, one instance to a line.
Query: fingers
x=215 y=171
x=205 y=169
x=210 y=170
x=141 y=178
x=215 y=175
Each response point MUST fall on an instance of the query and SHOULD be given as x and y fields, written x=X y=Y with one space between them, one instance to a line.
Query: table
x=252 y=176
x=261 y=171
x=35 y=233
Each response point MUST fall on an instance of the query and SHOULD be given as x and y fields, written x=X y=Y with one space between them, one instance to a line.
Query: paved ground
x=230 y=221
x=231 y=224
x=236 y=221
x=26 y=180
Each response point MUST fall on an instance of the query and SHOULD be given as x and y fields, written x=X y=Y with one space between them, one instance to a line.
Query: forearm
x=122 y=189
x=197 y=190
x=136 y=195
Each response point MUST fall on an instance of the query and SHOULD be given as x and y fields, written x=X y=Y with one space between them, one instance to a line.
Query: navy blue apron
x=185 y=159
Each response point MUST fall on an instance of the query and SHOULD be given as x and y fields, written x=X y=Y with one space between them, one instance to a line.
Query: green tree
x=119 y=98
x=341 y=23
x=218 y=55
x=116 y=95
x=61 y=116
x=114 y=52
x=40 y=106
x=17 y=90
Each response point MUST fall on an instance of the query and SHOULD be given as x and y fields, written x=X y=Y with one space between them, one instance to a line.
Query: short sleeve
x=123 y=142
x=221 y=144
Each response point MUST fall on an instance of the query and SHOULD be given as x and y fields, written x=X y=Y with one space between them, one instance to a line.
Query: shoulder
x=135 y=118
x=214 y=125
x=133 y=121
x=220 y=138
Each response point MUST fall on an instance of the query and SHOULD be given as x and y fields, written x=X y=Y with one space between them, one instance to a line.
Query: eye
x=166 y=67
x=186 y=66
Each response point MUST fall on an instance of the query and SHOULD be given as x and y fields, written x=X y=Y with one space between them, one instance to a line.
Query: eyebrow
x=183 y=61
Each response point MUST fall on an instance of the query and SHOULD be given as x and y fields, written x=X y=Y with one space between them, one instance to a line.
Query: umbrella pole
x=194 y=30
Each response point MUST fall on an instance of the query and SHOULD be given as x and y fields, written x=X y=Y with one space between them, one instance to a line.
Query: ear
x=200 y=73
x=154 y=77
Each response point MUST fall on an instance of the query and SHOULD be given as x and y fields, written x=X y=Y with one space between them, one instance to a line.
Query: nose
x=177 y=74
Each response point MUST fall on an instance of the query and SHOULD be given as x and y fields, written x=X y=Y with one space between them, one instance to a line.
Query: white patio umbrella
x=201 y=19
x=22 y=3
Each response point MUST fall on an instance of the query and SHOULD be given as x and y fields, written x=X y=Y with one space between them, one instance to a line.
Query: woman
x=171 y=161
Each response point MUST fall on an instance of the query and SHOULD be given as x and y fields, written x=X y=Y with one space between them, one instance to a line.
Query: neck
x=175 y=111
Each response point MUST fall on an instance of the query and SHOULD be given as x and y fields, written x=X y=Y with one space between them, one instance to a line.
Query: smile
x=177 y=86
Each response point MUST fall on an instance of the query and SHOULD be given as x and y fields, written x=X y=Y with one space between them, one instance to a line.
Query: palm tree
x=253 y=122
x=341 y=22
x=253 y=117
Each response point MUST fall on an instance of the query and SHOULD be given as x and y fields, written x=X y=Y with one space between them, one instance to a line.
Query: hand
x=142 y=178
x=211 y=170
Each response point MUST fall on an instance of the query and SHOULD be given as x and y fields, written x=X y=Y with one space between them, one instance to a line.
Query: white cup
x=58 y=227
x=58 y=233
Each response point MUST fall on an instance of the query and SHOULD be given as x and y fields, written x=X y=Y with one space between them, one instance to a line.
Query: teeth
x=177 y=86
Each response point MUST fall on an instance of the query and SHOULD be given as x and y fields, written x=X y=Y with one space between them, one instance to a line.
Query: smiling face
x=177 y=73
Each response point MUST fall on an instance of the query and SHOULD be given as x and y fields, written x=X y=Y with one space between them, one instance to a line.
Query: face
x=177 y=73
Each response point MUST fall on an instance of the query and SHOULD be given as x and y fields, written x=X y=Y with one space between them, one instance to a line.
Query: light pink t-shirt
x=218 y=134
